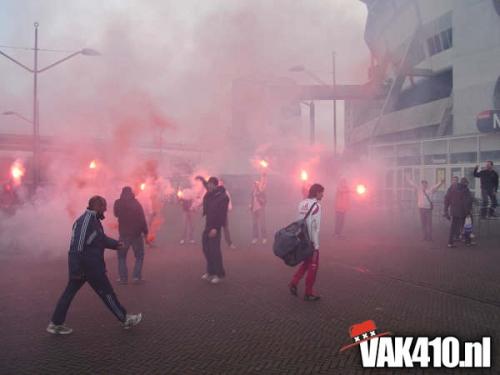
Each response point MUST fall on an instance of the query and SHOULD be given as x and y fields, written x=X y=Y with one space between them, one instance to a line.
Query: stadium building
x=440 y=65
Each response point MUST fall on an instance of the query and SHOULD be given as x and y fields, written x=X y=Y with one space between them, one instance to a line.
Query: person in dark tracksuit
x=132 y=227
x=86 y=264
x=457 y=206
x=215 y=206
x=489 y=189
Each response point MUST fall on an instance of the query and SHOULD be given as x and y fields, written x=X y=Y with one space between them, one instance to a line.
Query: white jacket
x=314 y=219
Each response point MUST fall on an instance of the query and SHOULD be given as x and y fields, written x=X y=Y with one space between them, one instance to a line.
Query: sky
x=169 y=65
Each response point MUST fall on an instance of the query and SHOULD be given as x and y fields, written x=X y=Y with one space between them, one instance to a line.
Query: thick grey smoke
x=166 y=72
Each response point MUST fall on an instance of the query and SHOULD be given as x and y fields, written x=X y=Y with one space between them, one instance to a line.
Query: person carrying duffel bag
x=299 y=242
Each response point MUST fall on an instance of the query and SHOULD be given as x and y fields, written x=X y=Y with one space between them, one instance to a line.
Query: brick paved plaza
x=250 y=324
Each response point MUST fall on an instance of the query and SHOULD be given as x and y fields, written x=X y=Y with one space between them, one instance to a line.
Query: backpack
x=293 y=243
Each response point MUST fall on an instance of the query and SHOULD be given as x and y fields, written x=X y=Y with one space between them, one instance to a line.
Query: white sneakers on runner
x=60 y=329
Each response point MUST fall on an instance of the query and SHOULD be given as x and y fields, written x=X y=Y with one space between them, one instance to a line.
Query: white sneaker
x=192 y=242
x=232 y=246
x=58 y=329
x=264 y=241
x=182 y=242
x=254 y=241
x=206 y=277
x=215 y=280
x=132 y=320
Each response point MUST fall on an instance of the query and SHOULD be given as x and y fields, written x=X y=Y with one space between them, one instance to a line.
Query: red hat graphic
x=363 y=331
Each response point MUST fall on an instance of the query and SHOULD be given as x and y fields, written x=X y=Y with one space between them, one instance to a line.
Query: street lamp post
x=16 y=114
x=334 y=107
x=35 y=71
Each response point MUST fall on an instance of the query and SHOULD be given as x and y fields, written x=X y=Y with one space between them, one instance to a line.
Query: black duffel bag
x=293 y=243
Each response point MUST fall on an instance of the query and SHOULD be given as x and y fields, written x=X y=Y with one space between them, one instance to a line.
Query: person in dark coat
x=457 y=206
x=215 y=206
x=489 y=189
x=86 y=264
x=132 y=226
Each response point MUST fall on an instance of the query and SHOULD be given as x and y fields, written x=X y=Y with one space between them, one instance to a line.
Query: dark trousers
x=486 y=196
x=137 y=244
x=339 y=222
x=101 y=285
x=213 y=254
x=259 y=223
x=227 y=233
x=457 y=223
x=426 y=221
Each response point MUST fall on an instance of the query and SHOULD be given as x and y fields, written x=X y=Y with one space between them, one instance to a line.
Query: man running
x=86 y=264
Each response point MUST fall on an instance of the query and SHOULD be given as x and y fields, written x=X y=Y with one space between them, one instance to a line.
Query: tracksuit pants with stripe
x=100 y=283
x=310 y=265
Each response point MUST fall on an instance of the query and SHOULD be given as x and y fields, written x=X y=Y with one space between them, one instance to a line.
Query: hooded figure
x=132 y=227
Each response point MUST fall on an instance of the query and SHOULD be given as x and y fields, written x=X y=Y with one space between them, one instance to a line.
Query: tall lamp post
x=16 y=114
x=35 y=71
x=302 y=68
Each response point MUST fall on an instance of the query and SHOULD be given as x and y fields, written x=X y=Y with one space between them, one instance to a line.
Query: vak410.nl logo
x=382 y=350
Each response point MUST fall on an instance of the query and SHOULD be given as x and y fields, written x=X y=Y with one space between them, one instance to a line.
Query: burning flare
x=360 y=189
x=180 y=194
x=303 y=175
x=93 y=164
x=264 y=164
x=17 y=171
x=143 y=186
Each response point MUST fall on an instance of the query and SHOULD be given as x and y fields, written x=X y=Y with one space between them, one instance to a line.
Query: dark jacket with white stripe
x=88 y=241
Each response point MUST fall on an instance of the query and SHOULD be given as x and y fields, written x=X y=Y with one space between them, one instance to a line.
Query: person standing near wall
x=425 y=205
x=457 y=206
x=489 y=188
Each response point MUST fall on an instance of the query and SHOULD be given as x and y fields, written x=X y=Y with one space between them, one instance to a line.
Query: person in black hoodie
x=86 y=264
x=489 y=189
x=215 y=205
x=132 y=227
x=457 y=206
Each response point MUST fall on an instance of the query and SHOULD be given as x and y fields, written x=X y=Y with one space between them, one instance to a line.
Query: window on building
x=440 y=42
x=431 y=47
x=469 y=173
x=426 y=90
x=437 y=43
x=446 y=39
x=463 y=157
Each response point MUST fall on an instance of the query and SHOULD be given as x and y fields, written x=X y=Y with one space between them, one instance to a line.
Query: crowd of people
x=458 y=204
x=88 y=240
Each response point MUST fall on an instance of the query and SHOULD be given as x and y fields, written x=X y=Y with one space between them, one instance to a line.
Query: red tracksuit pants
x=310 y=265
